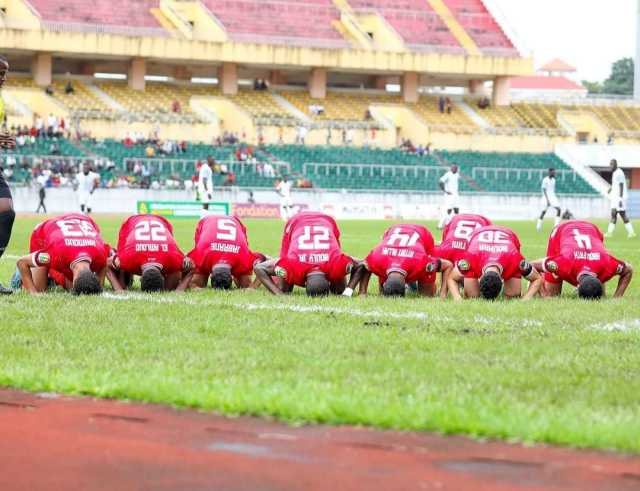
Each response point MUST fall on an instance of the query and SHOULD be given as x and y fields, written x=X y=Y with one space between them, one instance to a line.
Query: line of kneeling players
x=475 y=256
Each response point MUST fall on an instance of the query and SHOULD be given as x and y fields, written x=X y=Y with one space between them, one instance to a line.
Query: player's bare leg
x=198 y=281
x=338 y=287
x=427 y=289
x=242 y=282
x=551 y=289
x=471 y=288
x=7 y=217
x=171 y=281
x=512 y=288
x=40 y=278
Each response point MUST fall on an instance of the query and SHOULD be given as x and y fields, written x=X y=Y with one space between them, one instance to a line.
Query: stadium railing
x=505 y=173
x=175 y=166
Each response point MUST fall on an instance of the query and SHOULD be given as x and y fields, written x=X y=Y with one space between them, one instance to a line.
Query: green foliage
x=560 y=371
x=620 y=81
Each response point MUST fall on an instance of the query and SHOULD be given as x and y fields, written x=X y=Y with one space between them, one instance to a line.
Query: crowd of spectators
x=408 y=146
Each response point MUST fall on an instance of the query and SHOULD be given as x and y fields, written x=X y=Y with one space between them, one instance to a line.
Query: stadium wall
x=342 y=204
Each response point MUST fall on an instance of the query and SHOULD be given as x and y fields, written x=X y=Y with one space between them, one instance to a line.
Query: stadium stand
x=482 y=27
x=280 y=21
x=514 y=172
x=115 y=16
x=457 y=121
x=415 y=21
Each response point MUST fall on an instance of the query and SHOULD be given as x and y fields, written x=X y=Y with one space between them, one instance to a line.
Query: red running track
x=62 y=443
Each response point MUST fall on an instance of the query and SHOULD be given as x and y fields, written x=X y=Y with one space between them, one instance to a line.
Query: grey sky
x=589 y=34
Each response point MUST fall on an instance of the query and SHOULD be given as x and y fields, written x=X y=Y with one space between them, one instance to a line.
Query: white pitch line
x=619 y=326
x=317 y=309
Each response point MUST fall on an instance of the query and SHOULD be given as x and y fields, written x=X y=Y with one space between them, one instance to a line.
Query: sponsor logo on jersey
x=552 y=266
x=43 y=258
x=463 y=265
x=433 y=266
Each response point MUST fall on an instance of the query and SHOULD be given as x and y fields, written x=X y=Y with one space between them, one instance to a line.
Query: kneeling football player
x=405 y=256
x=147 y=248
x=493 y=263
x=67 y=249
x=310 y=257
x=222 y=253
x=576 y=254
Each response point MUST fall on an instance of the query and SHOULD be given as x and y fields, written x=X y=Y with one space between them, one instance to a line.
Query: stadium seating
x=514 y=172
x=125 y=16
x=456 y=122
x=82 y=101
x=414 y=20
x=538 y=115
x=338 y=106
x=279 y=21
x=482 y=27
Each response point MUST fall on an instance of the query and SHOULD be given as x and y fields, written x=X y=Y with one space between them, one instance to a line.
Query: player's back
x=576 y=235
x=310 y=232
x=222 y=233
x=409 y=236
x=493 y=238
x=70 y=225
x=457 y=233
x=145 y=228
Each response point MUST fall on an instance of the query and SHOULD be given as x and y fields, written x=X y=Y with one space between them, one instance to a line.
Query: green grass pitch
x=560 y=371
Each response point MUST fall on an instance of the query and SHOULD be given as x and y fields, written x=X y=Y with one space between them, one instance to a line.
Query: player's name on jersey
x=589 y=256
x=313 y=258
x=219 y=247
x=493 y=248
x=459 y=244
x=80 y=242
x=390 y=251
x=152 y=247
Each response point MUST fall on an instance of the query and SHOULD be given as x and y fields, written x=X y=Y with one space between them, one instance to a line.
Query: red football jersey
x=222 y=240
x=148 y=239
x=406 y=249
x=456 y=235
x=575 y=248
x=60 y=242
x=493 y=246
x=312 y=242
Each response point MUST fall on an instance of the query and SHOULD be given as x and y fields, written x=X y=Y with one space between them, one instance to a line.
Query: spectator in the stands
x=449 y=104
x=49 y=90
x=183 y=146
x=230 y=180
x=54 y=149
x=350 y=136
x=268 y=170
x=167 y=147
x=39 y=125
x=251 y=200
x=21 y=140
x=610 y=139
x=176 y=107
x=280 y=135
x=52 y=125
x=367 y=115
x=484 y=102
x=150 y=152
x=441 y=104
x=68 y=89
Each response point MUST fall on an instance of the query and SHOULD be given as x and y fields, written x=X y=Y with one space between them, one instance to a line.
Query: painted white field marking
x=10 y=256
x=622 y=326
x=317 y=309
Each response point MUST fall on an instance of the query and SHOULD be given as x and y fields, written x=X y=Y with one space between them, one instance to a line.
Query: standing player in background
x=286 y=204
x=405 y=256
x=69 y=250
x=205 y=184
x=146 y=247
x=222 y=252
x=618 y=195
x=7 y=141
x=549 y=198
x=449 y=184
x=310 y=257
x=86 y=183
x=493 y=261
x=576 y=254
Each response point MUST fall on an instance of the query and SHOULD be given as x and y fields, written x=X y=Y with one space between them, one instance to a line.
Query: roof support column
x=228 y=78
x=137 y=71
x=318 y=83
x=410 y=87
x=501 y=88
x=41 y=69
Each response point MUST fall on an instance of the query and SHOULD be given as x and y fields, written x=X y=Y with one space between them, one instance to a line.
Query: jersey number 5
x=314 y=238
x=150 y=231
x=226 y=230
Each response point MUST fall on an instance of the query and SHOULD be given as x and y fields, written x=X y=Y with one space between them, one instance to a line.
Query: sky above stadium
x=587 y=34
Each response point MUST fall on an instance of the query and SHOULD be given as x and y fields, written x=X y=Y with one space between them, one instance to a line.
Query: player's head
x=221 y=278
x=589 y=287
x=86 y=168
x=285 y=178
x=317 y=284
x=454 y=168
x=152 y=279
x=210 y=160
x=552 y=172
x=490 y=283
x=394 y=286
x=4 y=69
x=613 y=164
x=85 y=281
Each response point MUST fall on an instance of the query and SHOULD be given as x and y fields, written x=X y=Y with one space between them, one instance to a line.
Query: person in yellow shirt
x=7 y=141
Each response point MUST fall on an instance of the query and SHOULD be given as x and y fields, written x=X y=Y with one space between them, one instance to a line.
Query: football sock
x=629 y=228
x=612 y=227
x=6 y=224
x=539 y=224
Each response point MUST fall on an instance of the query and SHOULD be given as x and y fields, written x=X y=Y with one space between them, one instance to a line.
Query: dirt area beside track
x=53 y=442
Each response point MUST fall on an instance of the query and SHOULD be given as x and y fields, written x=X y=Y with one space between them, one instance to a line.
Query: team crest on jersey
x=43 y=258
x=552 y=266
x=433 y=266
x=463 y=265
x=620 y=268
x=281 y=272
